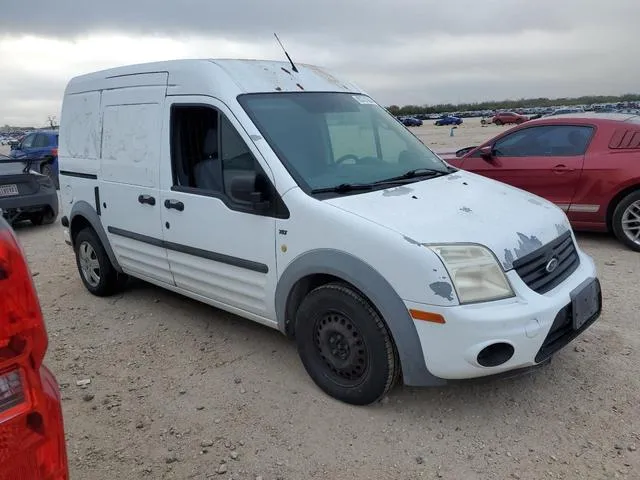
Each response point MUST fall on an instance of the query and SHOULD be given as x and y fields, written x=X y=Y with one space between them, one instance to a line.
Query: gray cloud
x=374 y=21
x=401 y=51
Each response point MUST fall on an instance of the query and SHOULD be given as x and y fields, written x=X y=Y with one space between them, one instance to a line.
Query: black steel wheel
x=345 y=345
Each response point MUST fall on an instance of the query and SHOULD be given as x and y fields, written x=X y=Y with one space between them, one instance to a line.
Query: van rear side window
x=207 y=152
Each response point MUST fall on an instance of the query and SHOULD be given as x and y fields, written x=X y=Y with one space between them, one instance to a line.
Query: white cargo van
x=290 y=197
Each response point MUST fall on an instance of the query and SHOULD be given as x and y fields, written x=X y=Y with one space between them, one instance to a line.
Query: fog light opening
x=495 y=354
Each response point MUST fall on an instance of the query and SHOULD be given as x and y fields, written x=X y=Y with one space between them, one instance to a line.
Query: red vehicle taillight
x=31 y=428
x=54 y=152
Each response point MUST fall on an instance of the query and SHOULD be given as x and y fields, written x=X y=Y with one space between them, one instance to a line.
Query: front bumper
x=534 y=325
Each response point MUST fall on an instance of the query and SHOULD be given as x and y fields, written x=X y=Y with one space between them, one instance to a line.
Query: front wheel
x=96 y=271
x=626 y=221
x=345 y=346
x=498 y=122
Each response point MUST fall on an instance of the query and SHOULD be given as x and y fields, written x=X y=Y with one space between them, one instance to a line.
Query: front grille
x=532 y=268
x=562 y=332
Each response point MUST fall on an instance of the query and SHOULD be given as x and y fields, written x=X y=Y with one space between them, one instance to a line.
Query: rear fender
x=87 y=212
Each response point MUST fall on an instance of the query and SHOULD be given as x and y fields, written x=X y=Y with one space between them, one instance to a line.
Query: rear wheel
x=95 y=268
x=41 y=218
x=345 y=346
x=626 y=221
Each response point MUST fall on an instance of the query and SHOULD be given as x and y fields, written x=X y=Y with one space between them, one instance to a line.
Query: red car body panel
x=586 y=186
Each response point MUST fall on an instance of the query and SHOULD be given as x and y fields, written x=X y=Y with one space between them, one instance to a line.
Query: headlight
x=475 y=273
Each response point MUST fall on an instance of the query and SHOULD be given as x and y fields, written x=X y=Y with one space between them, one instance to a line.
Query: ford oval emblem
x=552 y=265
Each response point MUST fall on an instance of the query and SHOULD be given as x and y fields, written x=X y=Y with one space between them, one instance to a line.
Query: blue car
x=41 y=147
x=411 y=121
x=448 y=120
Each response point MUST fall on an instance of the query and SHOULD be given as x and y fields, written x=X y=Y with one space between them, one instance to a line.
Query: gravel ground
x=180 y=390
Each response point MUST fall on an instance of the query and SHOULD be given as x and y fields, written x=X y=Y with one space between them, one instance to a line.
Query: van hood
x=465 y=208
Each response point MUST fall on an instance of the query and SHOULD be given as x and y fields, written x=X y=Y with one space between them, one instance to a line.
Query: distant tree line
x=512 y=104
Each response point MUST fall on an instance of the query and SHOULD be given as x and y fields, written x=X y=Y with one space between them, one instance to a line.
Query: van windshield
x=326 y=140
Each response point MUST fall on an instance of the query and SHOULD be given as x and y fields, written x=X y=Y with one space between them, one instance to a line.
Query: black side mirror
x=486 y=152
x=251 y=188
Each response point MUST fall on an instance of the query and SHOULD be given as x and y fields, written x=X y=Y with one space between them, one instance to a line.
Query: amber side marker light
x=427 y=316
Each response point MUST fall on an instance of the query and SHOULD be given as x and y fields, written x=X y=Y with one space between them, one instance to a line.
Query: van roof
x=248 y=76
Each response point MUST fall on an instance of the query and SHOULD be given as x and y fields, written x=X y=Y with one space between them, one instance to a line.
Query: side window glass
x=41 y=141
x=514 y=145
x=28 y=141
x=566 y=140
x=195 y=148
x=208 y=154
x=547 y=141
x=240 y=171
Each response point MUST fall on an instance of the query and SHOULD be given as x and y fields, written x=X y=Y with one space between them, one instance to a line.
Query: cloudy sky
x=401 y=51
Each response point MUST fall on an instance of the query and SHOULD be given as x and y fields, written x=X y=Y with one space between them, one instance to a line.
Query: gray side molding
x=86 y=210
x=366 y=279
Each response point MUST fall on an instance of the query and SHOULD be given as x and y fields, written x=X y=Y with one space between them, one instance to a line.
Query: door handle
x=148 y=199
x=175 y=204
x=562 y=169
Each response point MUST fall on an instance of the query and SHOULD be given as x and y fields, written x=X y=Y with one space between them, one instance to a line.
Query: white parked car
x=290 y=197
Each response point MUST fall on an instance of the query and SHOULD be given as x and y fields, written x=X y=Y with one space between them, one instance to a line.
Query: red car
x=32 y=442
x=505 y=118
x=587 y=164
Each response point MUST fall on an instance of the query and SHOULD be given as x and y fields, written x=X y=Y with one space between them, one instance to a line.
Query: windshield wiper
x=344 y=188
x=416 y=172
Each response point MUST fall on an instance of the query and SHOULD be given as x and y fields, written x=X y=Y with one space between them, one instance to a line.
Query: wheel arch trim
x=86 y=211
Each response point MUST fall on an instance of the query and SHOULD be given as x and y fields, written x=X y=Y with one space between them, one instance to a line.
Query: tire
x=627 y=215
x=498 y=122
x=43 y=218
x=331 y=322
x=90 y=252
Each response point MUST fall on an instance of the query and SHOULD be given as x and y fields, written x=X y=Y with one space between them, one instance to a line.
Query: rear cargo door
x=129 y=177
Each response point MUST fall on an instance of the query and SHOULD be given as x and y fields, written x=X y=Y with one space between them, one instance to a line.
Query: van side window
x=207 y=152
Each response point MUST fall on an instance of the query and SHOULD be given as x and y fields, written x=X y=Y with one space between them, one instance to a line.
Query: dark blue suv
x=41 y=146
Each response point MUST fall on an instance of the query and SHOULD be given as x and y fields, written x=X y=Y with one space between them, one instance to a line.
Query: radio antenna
x=293 y=66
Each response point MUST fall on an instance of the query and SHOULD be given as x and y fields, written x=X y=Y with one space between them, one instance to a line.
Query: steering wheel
x=346 y=157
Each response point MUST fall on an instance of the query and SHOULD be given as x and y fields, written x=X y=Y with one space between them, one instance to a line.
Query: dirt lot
x=181 y=390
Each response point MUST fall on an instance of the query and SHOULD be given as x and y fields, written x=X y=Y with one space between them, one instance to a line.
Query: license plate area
x=586 y=302
x=8 y=190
